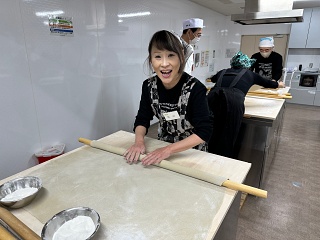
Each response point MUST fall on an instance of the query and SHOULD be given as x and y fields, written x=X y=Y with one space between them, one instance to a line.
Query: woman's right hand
x=281 y=85
x=133 y=153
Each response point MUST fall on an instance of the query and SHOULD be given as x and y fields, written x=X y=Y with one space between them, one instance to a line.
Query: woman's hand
x=156 y=156
x=281 y=85
x=133 y=153
x=159 y=154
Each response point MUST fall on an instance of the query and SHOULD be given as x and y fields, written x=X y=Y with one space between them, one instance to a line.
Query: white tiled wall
x=56 y=89
x=303 y=56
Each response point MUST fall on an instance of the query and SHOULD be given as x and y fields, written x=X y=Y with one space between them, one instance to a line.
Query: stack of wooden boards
x=259 y=91
x=268 y=92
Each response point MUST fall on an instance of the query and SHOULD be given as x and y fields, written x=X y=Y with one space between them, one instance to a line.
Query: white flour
x=19 y=194
x=78 y=228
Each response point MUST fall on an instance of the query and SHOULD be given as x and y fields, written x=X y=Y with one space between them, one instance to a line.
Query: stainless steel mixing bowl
x=19 y=183
x=52 y=225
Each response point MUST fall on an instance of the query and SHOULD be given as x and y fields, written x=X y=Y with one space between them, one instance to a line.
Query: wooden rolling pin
x=17 y=226
x=5 y=234
x=269 y=92
x=217 y=180
x=269 y=95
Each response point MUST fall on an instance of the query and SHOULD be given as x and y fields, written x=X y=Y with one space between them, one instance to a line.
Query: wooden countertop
x=263 y=108
x=132 y=200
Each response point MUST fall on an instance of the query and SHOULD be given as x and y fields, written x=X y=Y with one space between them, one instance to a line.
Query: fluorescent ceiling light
x=45 y=14
x=138 y=14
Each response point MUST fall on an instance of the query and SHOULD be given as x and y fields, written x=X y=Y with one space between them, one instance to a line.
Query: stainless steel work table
x=259 y=136
x=137 y=202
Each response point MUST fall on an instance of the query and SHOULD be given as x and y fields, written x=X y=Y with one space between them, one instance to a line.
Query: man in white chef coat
x=192 y=30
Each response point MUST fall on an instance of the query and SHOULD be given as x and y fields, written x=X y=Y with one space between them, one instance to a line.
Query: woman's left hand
x=156 y=156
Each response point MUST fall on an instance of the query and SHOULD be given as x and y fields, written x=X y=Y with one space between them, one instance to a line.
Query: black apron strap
x=237 y=78
x=219 y=81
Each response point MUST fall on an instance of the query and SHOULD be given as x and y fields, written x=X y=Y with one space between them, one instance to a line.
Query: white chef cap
x=266 y=42
x=192 y=23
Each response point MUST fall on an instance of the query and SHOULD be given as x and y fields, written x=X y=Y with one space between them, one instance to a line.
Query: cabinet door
x=299 y=31
x=314 y=33
x=302 y=96
x=249 y=44
x=317 y=99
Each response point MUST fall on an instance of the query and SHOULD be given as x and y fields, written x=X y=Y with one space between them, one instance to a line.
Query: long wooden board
x=133 y=200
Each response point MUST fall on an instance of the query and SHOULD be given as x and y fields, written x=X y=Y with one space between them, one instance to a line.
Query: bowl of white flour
x=19 y=192
x=72 y=224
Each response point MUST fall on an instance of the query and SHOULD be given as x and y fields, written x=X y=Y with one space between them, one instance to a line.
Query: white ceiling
x=229 y=7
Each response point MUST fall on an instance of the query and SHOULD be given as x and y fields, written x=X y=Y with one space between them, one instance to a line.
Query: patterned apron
x=177 y=129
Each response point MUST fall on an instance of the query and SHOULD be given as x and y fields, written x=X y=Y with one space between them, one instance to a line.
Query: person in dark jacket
x=268 y=62
x=177 y=99
x=226 y=101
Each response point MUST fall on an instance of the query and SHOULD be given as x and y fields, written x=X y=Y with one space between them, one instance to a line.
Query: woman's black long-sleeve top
x=246 y=81
x=197 y=108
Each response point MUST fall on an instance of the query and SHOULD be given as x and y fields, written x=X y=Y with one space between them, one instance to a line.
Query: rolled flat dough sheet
x=262 y=107
x=134 y=202
x=254 y=88
x=217 y=180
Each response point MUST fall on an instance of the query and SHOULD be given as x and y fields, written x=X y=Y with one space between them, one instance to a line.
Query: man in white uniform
x=192 y=30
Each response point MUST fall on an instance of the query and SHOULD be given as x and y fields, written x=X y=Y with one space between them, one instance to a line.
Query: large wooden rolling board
x=132 y=200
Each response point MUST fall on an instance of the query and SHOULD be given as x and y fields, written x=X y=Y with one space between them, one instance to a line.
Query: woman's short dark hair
x=165 y=40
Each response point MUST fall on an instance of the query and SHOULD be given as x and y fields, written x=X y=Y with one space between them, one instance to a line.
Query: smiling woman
x=177 y=99
x=167 y=64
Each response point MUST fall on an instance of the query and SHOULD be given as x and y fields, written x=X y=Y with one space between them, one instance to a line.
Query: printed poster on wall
x=230 y=52
x=196 y=59
x=211 y=67
x=204 y=58
x=61 y=26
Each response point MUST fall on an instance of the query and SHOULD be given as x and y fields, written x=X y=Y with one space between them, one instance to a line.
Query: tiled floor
x=292 y=209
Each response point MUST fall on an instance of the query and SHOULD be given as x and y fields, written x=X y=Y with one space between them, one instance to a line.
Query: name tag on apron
x=171 y=115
